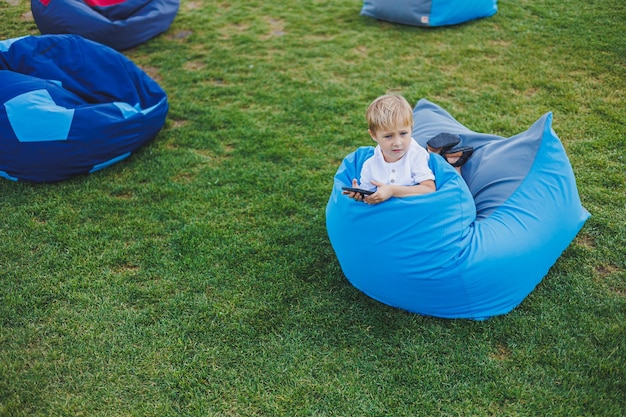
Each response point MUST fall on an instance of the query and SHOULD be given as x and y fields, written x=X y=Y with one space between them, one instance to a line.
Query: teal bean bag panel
x=477 y=246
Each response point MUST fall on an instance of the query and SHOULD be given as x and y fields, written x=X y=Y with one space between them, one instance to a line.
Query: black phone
x=358 y=190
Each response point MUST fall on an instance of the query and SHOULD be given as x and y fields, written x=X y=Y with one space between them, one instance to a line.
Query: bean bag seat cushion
x=71 y=106
x=429 y=12
x=120 y=24
x=477 y=246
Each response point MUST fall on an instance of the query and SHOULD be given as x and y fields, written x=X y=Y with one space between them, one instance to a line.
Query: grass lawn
x=196 y=278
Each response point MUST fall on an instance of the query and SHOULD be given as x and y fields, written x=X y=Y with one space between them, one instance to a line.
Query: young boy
x=399 y=166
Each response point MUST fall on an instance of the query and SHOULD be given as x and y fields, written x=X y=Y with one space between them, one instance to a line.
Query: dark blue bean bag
x=120 y=24
x=429 y=12
x=477 y=246
x=71 y=106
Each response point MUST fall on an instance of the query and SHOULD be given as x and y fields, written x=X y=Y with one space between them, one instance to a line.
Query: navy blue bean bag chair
x=477 y=246
x=429 y=12
x=71 y=106
x=120 y=24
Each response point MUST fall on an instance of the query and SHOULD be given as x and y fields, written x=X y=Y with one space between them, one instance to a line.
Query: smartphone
x=358 y=190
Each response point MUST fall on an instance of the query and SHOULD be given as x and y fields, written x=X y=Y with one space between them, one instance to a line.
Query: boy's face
x=394 y=142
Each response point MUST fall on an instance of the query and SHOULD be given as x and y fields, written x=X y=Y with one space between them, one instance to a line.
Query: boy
x=399 y=166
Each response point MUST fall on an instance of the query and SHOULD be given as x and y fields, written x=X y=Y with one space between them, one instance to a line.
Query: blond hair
x=389 y=111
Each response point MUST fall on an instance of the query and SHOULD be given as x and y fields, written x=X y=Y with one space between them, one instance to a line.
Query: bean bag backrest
x=498 y=164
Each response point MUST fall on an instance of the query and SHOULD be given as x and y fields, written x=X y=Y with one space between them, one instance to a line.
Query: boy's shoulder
x=376 y=156
x=415 y=146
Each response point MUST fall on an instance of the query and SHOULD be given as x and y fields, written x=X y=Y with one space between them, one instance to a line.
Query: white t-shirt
x=411 y=169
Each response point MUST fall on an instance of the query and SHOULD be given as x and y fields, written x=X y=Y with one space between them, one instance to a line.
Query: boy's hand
x=383 y=193
x=356 y=196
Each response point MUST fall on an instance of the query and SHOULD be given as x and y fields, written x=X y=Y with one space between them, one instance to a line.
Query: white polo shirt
x=411 y=169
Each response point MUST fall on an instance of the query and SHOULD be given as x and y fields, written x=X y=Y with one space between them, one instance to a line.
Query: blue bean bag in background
x=71 y=106
x=120 y=24
x=429 y=12
x=477 y=246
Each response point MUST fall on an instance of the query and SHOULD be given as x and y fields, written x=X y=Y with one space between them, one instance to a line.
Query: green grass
x=196 y=278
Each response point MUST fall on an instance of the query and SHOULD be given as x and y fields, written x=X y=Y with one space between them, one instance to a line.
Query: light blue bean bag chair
x=120 y=24
x=429 y=12
x=477 y=246
x=70 y=106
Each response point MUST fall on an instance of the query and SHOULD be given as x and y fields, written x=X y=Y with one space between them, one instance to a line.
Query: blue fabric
x=429 y=12
x=5 y=44
x=465 y=251
x=71 y=105
x=120 y=26
x=504 y=162
x=53 y=121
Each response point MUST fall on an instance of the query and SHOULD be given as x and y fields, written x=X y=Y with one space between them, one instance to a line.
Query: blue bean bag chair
x=429 y=12
x=477 y=246
x=71 y=106
x=120 y=24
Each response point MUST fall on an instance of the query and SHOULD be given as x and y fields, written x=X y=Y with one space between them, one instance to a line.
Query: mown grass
x=196 y=277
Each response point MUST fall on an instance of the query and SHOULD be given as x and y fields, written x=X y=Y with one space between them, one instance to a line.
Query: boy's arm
x=424 y=187
x=385 y=192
